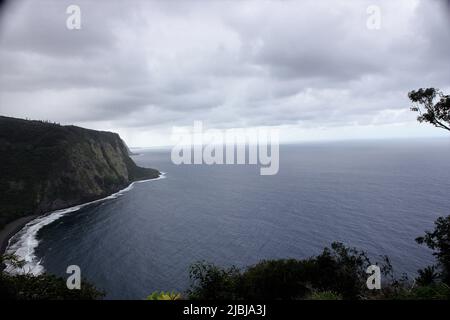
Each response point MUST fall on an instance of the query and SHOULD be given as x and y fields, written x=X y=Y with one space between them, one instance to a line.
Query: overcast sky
x=312 y=68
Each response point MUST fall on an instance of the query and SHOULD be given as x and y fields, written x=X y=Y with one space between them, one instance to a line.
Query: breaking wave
x=24 y=243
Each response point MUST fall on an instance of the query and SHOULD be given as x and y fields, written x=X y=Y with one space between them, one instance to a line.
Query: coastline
x=15 y=226
x=9 y=230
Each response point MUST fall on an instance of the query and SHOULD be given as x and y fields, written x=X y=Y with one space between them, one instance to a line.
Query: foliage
x=438 y=240
x=43 y=287
x=325 y=295
x=432 y=105
x=427 y=276
x=338 y=269
x=276 y=279
x=211 y=282
x=161 y=295
x=339 y=272
x=438 y=291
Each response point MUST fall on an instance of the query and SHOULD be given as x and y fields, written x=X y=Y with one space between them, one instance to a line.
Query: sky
x=315 y=70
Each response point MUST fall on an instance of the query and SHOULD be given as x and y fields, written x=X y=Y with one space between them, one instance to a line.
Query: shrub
x=325 y=295
x=44 y=287
x=338 y=269
x=161 y=295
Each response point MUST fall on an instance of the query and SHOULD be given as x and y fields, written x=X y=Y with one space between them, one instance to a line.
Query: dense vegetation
x=46 y=166
x=338 y=272
x=43 y=287
x=26 y=286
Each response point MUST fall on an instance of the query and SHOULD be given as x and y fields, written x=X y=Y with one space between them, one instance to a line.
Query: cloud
x=146 y=66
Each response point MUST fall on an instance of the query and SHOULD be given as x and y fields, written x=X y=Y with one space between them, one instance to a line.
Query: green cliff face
x=45 y=167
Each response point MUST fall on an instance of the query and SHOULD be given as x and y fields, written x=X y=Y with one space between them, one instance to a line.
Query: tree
x=432 y=105
x=437 y=112
x=338 y=272
x=439 y=241
x=427 y=276
x=212 y=282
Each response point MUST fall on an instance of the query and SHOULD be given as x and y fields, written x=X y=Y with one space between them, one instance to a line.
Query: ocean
x=377 y=196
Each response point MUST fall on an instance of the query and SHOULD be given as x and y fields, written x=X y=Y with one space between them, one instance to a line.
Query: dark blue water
x=377 y=196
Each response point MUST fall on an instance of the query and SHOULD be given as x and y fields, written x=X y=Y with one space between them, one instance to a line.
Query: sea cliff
x=46 y=166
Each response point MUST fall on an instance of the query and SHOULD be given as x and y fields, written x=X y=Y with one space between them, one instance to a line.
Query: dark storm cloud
x=229 y=63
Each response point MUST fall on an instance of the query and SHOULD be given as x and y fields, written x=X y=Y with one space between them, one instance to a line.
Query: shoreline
x=13 y=227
